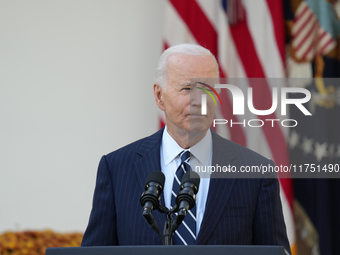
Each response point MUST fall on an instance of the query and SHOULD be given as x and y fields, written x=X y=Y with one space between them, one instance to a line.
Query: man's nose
x=196 y=96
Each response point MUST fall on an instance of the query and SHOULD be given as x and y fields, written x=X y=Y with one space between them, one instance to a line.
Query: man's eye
x=188 y=88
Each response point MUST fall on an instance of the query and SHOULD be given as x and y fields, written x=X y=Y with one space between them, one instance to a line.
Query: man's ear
x=159 y=93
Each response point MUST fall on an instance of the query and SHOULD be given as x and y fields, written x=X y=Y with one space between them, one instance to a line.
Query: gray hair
x=180 y=49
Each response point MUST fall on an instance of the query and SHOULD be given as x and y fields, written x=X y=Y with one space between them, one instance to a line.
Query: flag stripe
x=201 y=28
x=308 y=37
x=266 y=49
x=302 y=23
x=276 y=11
x=302 y=9
x=306 y=34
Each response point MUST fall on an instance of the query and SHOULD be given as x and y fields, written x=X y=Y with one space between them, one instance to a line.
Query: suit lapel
x=219 y=189
x=149 y=152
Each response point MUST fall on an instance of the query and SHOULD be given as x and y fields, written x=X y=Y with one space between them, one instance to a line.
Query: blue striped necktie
x=186 y=233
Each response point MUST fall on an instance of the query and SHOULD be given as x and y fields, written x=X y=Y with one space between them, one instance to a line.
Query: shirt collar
x=171 y=149
x=201 y=150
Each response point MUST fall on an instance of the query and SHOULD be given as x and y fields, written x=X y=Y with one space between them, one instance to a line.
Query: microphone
x=186 y=198
x=151 y=197
x=153 y=189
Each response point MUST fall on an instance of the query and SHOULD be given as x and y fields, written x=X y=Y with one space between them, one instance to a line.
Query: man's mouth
x=196 y=115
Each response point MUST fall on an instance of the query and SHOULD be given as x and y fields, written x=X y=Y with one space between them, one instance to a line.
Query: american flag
x=247 y=38
x=309 y=38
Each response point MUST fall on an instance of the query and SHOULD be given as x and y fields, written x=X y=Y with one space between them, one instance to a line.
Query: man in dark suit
x=234 y=211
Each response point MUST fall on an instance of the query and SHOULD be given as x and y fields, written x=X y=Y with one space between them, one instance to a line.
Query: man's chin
x=197 y=128
x=197 y=117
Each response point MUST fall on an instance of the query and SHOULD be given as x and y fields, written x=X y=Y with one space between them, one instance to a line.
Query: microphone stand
x=170 y=226
x=168 y=230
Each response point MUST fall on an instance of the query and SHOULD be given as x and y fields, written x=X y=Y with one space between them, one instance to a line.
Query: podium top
x=170 y=250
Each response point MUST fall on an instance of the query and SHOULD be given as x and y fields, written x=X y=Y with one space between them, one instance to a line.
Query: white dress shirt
x=170 y=162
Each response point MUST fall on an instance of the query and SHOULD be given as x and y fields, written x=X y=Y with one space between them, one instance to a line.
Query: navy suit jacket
x=238 y=211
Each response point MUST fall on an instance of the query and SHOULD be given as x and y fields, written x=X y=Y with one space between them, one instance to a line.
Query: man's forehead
x=204 y=81
x=199 y=82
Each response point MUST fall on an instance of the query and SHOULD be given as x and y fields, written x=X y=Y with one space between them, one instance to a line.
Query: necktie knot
x=185 y=164
x=185 y=156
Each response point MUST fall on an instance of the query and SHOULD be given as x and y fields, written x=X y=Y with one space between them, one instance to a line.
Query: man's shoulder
x=237 y=149
x=140 y=146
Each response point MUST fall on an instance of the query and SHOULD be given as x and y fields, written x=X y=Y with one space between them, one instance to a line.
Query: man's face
x=181 y=102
